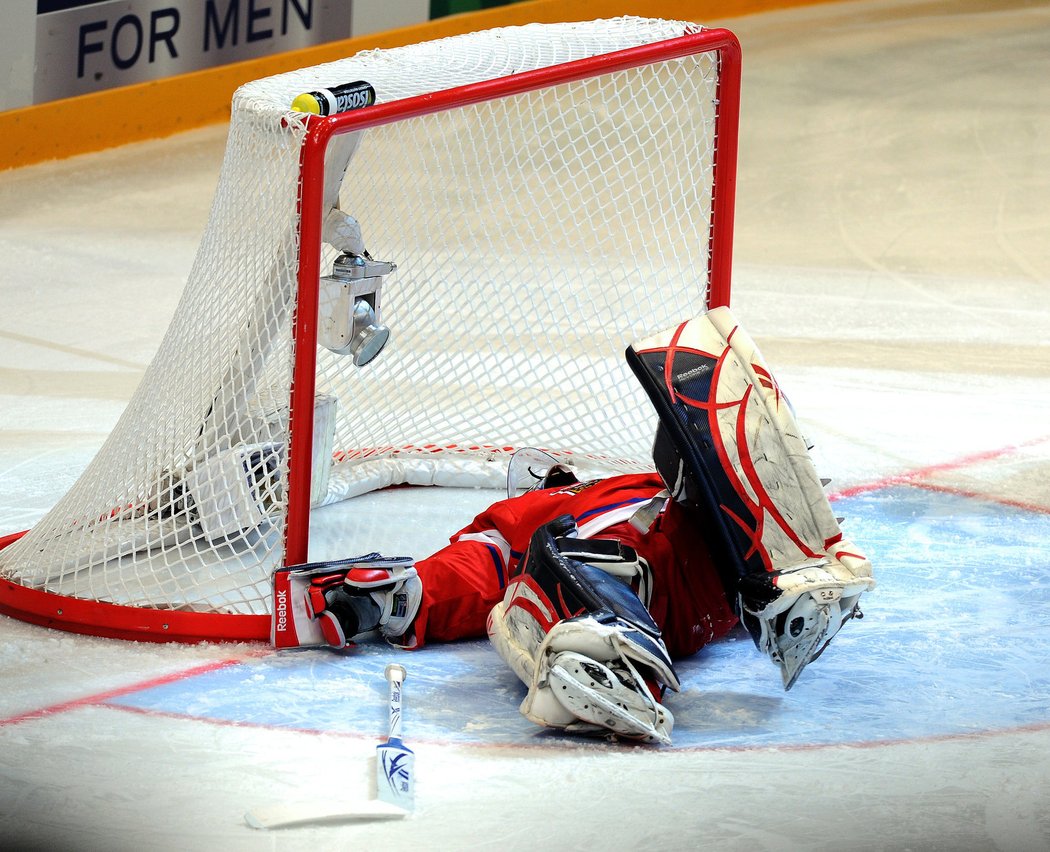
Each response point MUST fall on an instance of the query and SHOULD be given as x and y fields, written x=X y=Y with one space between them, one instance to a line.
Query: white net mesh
x=535 y=236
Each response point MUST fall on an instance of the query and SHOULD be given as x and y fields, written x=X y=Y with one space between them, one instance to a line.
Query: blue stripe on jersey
x=601 y=510
x=497 y=561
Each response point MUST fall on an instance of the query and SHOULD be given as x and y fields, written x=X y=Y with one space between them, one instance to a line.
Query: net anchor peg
x=349 y=308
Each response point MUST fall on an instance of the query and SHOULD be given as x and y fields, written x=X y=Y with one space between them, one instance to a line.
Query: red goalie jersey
x=465 y=579
x=735 y=522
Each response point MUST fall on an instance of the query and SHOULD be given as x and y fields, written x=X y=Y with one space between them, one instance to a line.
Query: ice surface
x=892 y=263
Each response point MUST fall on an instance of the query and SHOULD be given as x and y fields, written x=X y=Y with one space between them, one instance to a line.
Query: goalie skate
x=582 y=641
x=794 y=614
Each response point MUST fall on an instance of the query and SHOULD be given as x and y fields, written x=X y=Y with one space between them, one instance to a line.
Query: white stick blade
x=395 y=781
x=320 y=813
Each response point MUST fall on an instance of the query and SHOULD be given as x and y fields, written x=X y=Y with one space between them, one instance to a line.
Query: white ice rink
x=892 y=260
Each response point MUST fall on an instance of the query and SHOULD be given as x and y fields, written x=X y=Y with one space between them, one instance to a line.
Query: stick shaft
x=395 y=675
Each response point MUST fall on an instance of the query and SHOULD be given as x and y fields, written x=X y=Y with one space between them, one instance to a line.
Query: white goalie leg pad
x=729 y=449
x=730 y=446
x=514 y=636
x=772 y=464
x=585 y=677
x=594 y=673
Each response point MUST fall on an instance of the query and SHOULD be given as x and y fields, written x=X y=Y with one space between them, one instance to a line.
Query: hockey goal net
x=548 y=193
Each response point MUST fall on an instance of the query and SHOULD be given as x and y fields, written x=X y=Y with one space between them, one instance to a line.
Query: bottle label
x=353 y=96
x=337 y=99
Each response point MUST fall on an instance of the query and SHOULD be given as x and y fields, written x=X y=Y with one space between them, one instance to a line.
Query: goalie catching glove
x=581 y=640
x=332 y=604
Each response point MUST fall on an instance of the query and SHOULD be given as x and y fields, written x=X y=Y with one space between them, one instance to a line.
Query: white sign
x=85 y=46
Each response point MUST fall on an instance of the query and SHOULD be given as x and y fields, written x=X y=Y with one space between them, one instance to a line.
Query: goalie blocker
x=333 y=604
x=728 y=447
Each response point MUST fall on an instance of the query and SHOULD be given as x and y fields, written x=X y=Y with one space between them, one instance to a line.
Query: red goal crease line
x=120 y=691
x=917 y=476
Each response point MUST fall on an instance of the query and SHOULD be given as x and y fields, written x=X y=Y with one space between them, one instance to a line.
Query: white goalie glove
x=333 y=604
x=582 y=641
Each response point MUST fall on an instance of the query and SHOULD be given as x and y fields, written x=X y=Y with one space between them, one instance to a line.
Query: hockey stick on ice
x=394 y=781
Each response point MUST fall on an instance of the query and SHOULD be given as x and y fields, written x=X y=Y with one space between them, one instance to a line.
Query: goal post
x=322 y=130
x=530 y=199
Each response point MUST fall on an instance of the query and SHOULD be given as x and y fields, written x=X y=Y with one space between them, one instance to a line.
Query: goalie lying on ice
x=589 y=590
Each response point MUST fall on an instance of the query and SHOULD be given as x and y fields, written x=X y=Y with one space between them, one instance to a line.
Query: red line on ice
x=101 y=697
x=978 y=495
x=543 y=743
x=914 y=477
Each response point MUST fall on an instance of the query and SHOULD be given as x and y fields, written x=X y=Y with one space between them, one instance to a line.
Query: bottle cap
x=307 y=102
